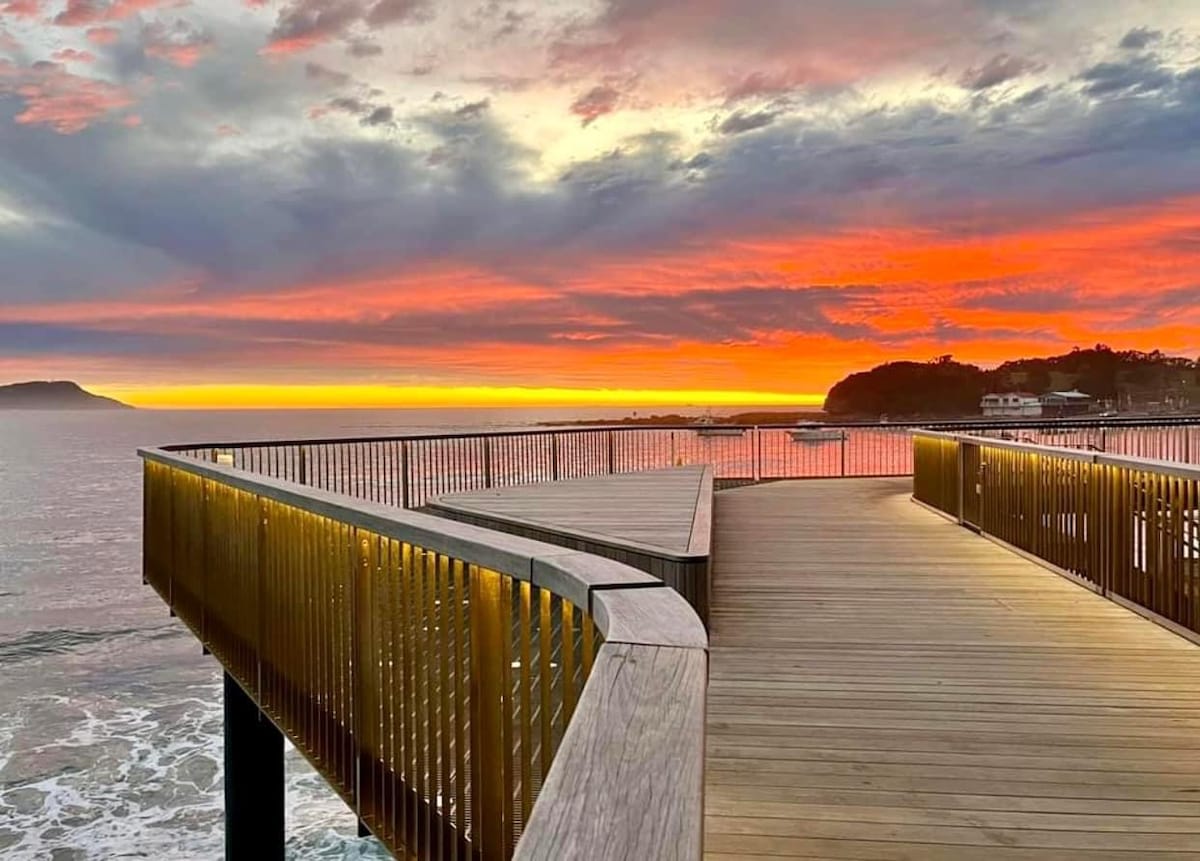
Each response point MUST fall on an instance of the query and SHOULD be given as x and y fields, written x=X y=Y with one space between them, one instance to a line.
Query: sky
x=361 y=202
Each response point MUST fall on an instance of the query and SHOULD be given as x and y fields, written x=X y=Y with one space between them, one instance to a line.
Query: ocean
x=110 y=717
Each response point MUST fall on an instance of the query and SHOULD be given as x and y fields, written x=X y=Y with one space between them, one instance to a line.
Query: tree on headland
x=940 y=387
x=943 y=387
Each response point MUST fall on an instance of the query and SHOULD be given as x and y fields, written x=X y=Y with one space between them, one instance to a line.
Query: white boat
x=707 y=426
x=815 y=433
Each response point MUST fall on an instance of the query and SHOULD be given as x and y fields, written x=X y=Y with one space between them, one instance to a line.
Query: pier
x=640 y=644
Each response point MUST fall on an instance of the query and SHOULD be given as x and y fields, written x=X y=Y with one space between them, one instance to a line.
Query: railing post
x=960 y=471
x=303 y=473
x=405 y=501
x=554 y=456
x=254 y=788
x=674 y=461
x=612 y=454
x=756 y=448
x=488 y=800
x=843 y=453
x=487 y=461
x=260 y=604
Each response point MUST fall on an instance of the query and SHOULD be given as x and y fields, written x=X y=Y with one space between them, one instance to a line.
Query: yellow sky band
x=264 y=396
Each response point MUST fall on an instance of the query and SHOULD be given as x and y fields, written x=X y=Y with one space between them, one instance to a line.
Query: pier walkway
x=887 y=685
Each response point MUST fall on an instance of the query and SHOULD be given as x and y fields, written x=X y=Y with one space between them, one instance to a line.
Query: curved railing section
x=409 y=471
x=469 y=694
x=1129 y=527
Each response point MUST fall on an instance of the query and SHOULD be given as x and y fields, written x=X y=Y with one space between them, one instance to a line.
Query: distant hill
x=944 y=388
x=54 y=395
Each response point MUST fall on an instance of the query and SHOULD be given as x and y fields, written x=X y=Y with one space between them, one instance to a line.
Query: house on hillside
x=1010 y=405
x=1070 y=403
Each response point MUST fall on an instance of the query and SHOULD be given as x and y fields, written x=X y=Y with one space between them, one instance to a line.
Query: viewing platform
x=510 y=673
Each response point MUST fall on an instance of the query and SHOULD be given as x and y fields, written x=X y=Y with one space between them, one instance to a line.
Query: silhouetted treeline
x=945 y=388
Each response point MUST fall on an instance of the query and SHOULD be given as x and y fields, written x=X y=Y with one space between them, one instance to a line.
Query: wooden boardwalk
x=887 y=685
x=655 y=510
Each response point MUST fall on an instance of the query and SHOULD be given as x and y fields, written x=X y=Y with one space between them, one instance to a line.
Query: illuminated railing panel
x=431 y=688
x=1128 y=526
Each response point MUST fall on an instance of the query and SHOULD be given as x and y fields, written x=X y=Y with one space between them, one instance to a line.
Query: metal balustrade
x=408 y=471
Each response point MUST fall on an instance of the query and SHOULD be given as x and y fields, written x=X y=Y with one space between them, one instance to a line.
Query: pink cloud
x=54 y=97
x=70 y=55
x=733 y=49
x=225 y=130
x=180 y=44
x=131 y=121
x=82 y=13
x=79 y=13
x=103 y=35
x=21 y=8
x=595 y=103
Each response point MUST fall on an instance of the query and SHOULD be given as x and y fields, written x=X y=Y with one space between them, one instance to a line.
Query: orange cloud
x=776 y=314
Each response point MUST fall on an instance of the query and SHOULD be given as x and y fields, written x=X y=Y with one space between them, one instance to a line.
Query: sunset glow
x=381 y=397
x=620 y=202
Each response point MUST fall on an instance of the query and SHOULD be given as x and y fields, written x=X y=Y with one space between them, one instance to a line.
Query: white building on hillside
x=1010 y=404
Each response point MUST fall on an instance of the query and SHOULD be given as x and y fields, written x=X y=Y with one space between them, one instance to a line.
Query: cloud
x=999 y=70
x=1125 y=78
x=103 y=35
x=303 y=24
x=778 y=170
x=181 y=43
x=595 y=103
x=383 y=115
x=22 y=8
x=1139 y=38
x=82 y=13
x=385 y=12
x=359 y=47
x=741 y=121
x=54 y=97
x=71 y=55
x=369 y=114
x=772 y=47
x=326 y=75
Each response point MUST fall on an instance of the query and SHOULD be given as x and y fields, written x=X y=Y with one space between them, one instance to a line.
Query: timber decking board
x=652 y=509
x=886 y=685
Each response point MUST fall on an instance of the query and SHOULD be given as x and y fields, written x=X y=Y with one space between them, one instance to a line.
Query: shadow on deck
x=887 y=685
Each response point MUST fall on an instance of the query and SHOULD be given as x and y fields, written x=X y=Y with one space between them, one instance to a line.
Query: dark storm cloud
x=1126 y=78
x=380 y=116
x=1139 y=38
x=999 y=70
x=743 y=121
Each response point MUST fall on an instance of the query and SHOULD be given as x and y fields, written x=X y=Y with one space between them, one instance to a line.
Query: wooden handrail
x=347 y=621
